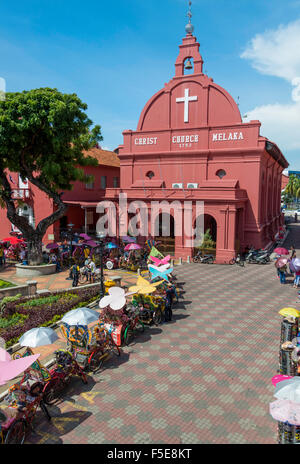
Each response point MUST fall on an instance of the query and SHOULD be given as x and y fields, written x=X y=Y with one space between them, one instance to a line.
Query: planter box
x=34 y=271
x=25 y=290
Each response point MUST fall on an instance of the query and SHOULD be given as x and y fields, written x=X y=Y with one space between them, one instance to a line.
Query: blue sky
x=116 y=55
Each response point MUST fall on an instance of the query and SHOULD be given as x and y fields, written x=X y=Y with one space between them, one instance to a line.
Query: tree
x=43 y=134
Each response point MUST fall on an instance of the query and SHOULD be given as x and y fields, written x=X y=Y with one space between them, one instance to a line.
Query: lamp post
x=70 y=226
x=101 y=245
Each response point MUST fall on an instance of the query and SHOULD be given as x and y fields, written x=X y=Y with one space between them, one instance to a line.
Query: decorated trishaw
x=22 y=400
x=89 y=346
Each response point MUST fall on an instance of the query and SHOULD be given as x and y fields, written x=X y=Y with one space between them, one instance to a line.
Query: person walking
x=282 y=272
x=75 y=274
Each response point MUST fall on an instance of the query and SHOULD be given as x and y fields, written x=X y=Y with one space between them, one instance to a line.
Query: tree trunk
x=34 y=249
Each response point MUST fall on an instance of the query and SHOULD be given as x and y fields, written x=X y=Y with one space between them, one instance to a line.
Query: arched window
x=150 y=174
x=221 y=173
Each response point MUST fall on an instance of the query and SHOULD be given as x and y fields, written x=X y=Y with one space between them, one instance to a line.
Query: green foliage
x=4 y=284
x=12 y=320
x=46 y=131
x=208 y=242
x=8 y=299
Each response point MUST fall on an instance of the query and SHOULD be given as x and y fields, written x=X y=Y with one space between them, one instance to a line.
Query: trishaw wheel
x=16 y=433
x=51 y=392
x=128 y=335
x=82 y=279
x=96 y=361
x=109 y=265
x=114 y=348
x=157 y=316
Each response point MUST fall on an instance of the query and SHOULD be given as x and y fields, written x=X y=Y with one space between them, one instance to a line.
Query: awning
x=83 y=204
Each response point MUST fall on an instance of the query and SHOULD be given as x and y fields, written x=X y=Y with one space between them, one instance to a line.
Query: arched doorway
x=165 y=225
x=205 y=234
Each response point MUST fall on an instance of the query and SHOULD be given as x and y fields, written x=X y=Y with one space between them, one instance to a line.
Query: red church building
x=191 y=146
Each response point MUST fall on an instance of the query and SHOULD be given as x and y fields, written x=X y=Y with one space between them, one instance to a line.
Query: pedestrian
x=75 y=274
x=282 y=272
x=168 y=305
x=1 y=256
x=297 y=279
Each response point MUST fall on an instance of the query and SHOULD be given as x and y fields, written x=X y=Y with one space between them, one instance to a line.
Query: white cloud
x=277 y=53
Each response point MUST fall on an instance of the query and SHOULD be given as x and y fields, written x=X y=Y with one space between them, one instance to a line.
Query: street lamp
x=101 y=246
x=70 y=226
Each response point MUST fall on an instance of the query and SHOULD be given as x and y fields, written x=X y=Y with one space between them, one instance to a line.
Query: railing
x=21 y=194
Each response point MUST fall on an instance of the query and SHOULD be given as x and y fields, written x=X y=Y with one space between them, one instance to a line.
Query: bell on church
x=188 y=64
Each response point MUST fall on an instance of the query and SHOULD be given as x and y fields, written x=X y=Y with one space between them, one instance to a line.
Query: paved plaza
x=204 y=378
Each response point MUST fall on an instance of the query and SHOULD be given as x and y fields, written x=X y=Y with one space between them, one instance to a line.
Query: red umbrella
x=13 y=240
x=281 y=251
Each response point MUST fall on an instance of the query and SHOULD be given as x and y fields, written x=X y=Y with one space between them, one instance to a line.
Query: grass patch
x=4 y=284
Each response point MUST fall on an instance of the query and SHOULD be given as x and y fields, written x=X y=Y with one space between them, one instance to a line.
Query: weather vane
x=189 y=27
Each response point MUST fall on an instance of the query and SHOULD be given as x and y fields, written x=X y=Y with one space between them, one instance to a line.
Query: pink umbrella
x=281 y=251
x=85 y=236
x=10 y=368
x=132 y=246
x=281 y=262
x=279 y=378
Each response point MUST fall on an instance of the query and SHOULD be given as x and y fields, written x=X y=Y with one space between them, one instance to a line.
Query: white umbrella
x=38 y=337
x=296 y=263
x=285 y=411
x=80 y=316
x=288 y=390
x=115 y=300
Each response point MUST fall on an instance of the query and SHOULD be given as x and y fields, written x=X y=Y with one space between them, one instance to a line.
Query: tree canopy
x=43 y=134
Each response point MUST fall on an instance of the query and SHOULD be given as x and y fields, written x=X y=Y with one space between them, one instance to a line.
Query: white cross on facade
x=186 y=99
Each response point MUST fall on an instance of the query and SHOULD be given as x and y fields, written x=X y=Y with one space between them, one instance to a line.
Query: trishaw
x=151 y=308
x=22 y=402
x=125 y=322
x=90 y=347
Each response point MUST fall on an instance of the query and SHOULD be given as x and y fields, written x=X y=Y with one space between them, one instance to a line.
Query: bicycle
x=134 y=325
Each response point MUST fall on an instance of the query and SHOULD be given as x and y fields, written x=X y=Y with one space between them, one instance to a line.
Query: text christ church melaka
x=190 y=146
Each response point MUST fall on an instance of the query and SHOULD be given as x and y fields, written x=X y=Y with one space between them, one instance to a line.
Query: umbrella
x=80 y=316
x=91 y=243
x=279 y=378
x=286 y=312
x=281 y=262
x=110 y=246
x=9 y=368
x=85 y=236
x=12 y=240
x=115 y=300
x=296 y=263
x=285 y=411
x=129 y=239
x=144 y=287
x=281 y=251
x=38 y=337
x=132 y=246
x=52 y=246
x=292 y=267
x=288 y=390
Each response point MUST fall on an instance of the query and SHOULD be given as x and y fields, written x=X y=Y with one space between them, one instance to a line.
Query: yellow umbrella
x=289 y=312
x=143 y=287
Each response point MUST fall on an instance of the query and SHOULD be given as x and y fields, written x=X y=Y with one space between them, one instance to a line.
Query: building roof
x=104 y=157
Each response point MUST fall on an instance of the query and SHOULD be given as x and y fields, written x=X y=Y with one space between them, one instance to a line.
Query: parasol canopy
x=80 y=316
x=286 y=312
x=132 y=246
x=281 y=251
x=129 y=239
x=38 y=337
x=85 y=236
x=11 y=368
x=285 y=411
x=279 y=378
x=281 y=262
x=111 y=246
x=52 y=246
x=288 y=390
x=115 y=298
x=296 y=263
x=13 y=240
x=143 y=287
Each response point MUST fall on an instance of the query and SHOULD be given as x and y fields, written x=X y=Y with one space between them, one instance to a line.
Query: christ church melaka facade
x=192 y=146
